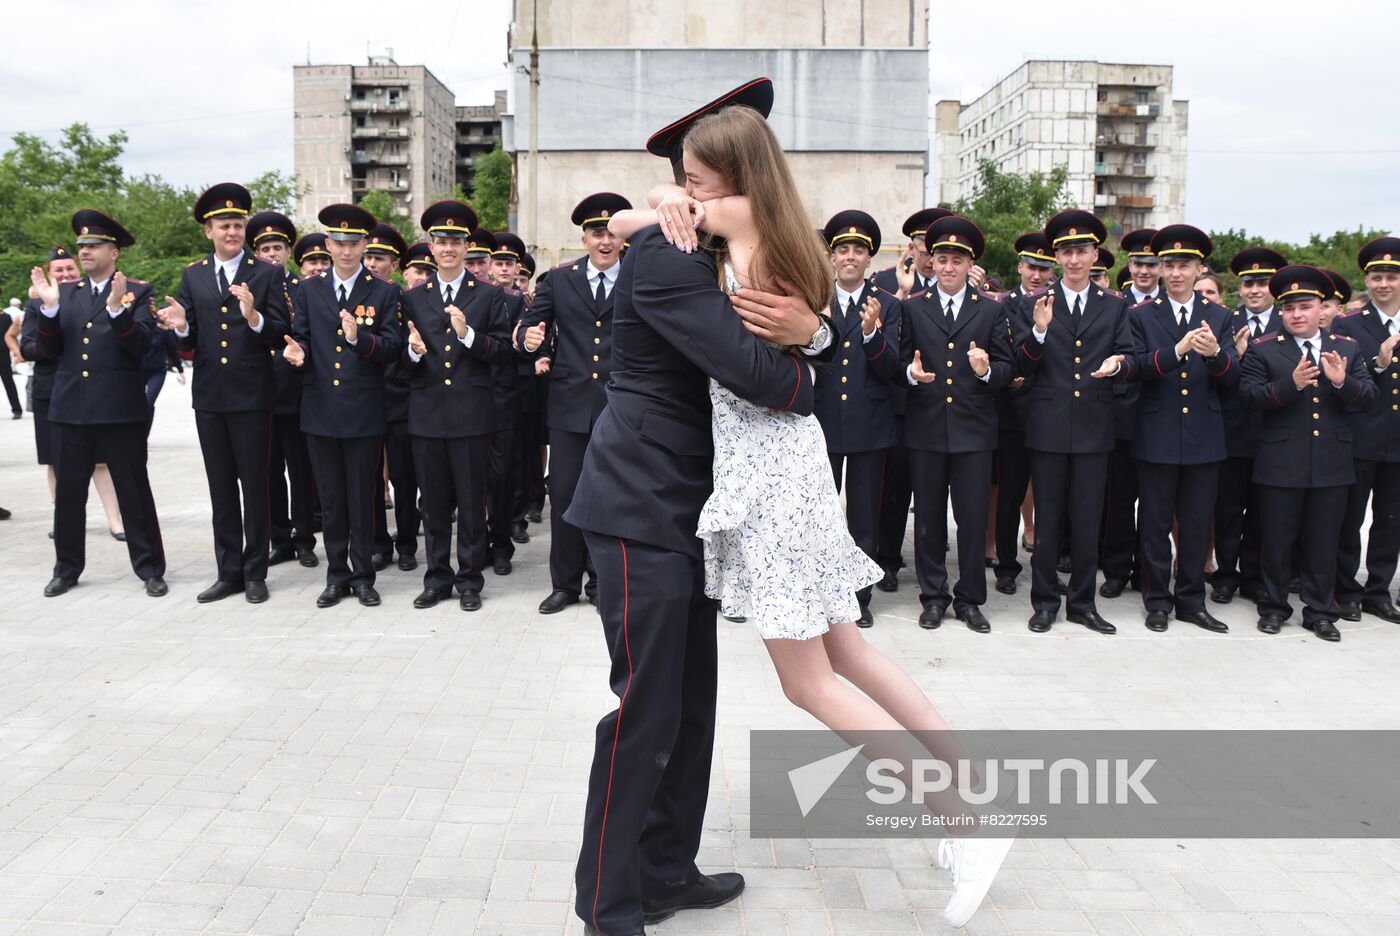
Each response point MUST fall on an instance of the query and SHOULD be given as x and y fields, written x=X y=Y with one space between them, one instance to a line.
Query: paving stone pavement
x=167 y=767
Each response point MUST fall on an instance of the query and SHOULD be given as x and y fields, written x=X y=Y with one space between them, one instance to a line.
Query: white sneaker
x=972 y=862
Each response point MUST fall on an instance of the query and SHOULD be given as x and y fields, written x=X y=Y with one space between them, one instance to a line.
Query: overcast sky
x=1292 y=126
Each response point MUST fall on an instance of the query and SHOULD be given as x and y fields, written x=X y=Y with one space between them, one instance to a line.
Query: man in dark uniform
x=951 y=421
x=311 y=254
x=61 y=268
x=914 y=271
x=383 y=250
x=231 y=310
x=1375 y=438
x=576 y=303
x=1185 y=350
x=1307 y=385
x=533 y=447
x=1118 y=549
x=1069 y=429
x=457 y=337
x=853 y=398
x=417 y=264
x=1098 y=273
x=645 y=477
x=1035 y=263
x=510 y=452
x=98 y=330
x=345 y=329
x=1237 y=544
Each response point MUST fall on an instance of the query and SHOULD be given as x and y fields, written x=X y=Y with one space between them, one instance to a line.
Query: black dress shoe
x=932 y=616
x=1040 y=621
x=519 y=533
x=557 y=601
x=156 y=587
x=1349 y=610
x=1064 y=566
x=590 y=930
x=470 y=600
x=6 y=518
x=256 y=592
x=1327 y=631
x=1091 y=620
x=331 y=595
x=380 y=561
x=58 y=586
x=1112 y=588
x=1270 y=623
x=407 y=563
x=281 y=554
x=307 y=556
x=972 y=616
x=1006 y=584
x=430 y=597
x=705 y=894
x=1156 y=621
x=889 y=582
x=219 y=591
x=1223 y=594
x=119 y=537
x=1252 y=593
x=501 y=565
x=1382 y=609
x=866 y=619
x=1204 y=620
x=366 y=595
x=534 y=517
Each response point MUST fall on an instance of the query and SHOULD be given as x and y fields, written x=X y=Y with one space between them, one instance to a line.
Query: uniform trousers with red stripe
x=345 y=473
x=237 y=449
x=651 y=762
x=452 y=475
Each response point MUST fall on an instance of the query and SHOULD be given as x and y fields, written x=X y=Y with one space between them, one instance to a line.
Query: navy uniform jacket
x=1376 y=431
x=98 y=378
x=41 y=380
x=853 y=395
x=582 y=359
x=957 y=412
x=1241 y=423
x=1126 y=392
x=1305 y=439
x=454 y=386
x=233 y=363
x=509 y=383
x=1179 y=417
x=343 y=384
x=649 y=466
x=1071 y=411
x=887 y=281
x=286 y=379
x=1012 y=404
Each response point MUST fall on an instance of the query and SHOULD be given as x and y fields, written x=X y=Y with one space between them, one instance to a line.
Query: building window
x=1139 y=159
x=1103 y=95
x=359 y=94
x=1142 y=97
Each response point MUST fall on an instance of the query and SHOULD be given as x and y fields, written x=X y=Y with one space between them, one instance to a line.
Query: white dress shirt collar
x=230 y=267
x=1083 y=294
x=337 y=282
x=455 y=285
x=957 y=300
x=843 y=298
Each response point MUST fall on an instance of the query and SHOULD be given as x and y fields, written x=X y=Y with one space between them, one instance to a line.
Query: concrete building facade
x=478 y=133
x=1117 y=128
x=612 y=72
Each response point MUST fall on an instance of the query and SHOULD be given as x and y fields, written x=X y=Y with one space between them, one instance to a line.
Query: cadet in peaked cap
x=1143 y=267
x=271 y=235
x=93 y=227
x=346 y=223
x=418 y=257
x=224 y=200
x=310 y=255
x=1103 y=262
x=669 y=140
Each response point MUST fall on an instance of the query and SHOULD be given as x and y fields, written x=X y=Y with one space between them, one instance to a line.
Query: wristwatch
x=820 y=337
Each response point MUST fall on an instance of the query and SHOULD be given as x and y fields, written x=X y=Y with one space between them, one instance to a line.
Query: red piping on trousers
x=617 y=728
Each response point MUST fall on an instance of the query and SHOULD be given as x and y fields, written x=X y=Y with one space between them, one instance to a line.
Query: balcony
x=378 y=106
x=363 y=158
x=1129 y=109
x=373 y=132
x=361 y=186
x=1121 y=171
x=1135 y=201
x=1126 y=140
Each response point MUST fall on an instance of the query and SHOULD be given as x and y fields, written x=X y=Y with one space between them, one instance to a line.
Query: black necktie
x=447 y=295
x=851 y=306
x=1311 y=359
x=96 y=290
x=949 y=317
x=601 y=296
x=223 y=280
x=1074 y=313
x=1182 y=320
x=1257 y=324
x=343 y=297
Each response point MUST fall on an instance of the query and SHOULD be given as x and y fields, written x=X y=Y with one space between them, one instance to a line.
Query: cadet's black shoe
x=307 y=556
x=1091 y=620
x=156 y=587
x=534 y=517
x=1204 y=620
x=380 y=561
x=366 y=595
x=1040 y=621
x=281 y=554
x=1254 y=593
x=1382 y=609
x=1064 y=566
x=1006 y=584
x=331 y=595
x=1349 y=610
x=407 y=563
x=256 y=592
x=972 y=616
x=707 y=893
x=589 y=930
x=1112 y=588
x=470 y=600
x=1156 y=621
x=519 y=534
x=1223 y=594
x=866 y=619
x=889 y=582
x=557 y=601
x=1326 y=630
x=58 y=586
x=430 y=597
x=219 y=591
x=932 y=616
x=501 y=565
x=1270 y=623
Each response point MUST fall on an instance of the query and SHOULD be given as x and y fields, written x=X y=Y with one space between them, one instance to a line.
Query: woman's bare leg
x=1028 y=515
x=53 y=484
x=992 y=523
x=102 y=480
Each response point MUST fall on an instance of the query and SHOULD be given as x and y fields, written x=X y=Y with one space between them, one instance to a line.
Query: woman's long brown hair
x=739 y=145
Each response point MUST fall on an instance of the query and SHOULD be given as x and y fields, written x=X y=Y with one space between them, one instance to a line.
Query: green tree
x=1007 y=205
x=274 y=191
x=490 y=196
x=1336 y=252
x=381 y=204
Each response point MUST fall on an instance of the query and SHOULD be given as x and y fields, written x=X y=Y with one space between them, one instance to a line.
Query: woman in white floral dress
x=777 y=549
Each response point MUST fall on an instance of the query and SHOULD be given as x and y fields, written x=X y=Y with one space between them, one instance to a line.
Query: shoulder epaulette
x=1356 y=313
x=511 y=291
x=1037 y=293
x=566 y=263
x=885 y=291
x=1105 y=291
x=381 y=279
x=196 y=262
x=130 y=281
x=1138 y=305
x=293 y=280
x=265 y=260
x=420 y=284
x=1343 y=338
